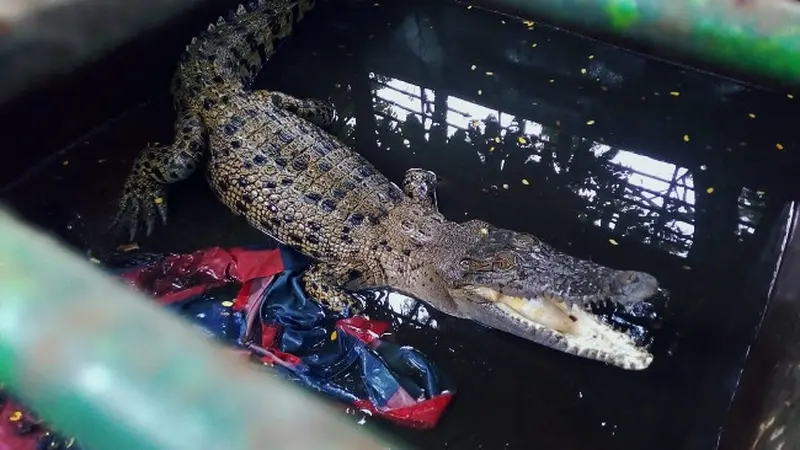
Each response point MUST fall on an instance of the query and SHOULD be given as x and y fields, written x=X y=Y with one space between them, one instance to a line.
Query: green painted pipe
x=752 y=36
x=100 y=362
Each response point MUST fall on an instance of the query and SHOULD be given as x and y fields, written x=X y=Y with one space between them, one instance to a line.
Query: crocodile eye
x=503 y=262
x=464 y=263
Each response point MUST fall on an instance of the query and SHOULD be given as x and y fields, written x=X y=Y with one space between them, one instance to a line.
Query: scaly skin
x=271 y=161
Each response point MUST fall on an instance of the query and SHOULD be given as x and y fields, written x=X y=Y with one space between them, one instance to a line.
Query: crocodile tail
x=232 y=50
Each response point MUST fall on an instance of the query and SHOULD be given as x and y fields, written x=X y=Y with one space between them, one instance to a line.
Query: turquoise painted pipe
x=752 y=36
x=102 y=363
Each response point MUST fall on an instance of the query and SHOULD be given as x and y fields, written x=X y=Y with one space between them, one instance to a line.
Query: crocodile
x=271 y=158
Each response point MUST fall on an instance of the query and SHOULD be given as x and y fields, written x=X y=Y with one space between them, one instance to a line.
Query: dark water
x=605 y=154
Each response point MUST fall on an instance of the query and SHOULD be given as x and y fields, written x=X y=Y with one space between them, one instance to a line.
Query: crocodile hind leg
x=420 y=185
x=144 y=193
x=324 y=281
x=319 y=112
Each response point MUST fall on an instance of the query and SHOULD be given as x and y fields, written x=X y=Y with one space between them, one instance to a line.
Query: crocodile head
x=514 y=282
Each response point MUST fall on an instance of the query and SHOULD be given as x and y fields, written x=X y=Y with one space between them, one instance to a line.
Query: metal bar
x=103 y=363
x=755 y=37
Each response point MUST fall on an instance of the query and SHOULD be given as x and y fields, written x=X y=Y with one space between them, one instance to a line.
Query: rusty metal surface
x=766 y=410
x=100 y=362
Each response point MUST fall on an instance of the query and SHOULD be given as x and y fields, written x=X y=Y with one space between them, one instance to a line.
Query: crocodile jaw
x=553 y=322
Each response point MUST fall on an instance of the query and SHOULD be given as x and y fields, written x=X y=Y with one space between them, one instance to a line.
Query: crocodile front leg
x=324 y=281
x=321 y=113
x=144 y=193
x=420 y=185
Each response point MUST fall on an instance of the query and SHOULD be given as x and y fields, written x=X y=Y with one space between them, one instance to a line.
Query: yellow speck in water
x=94 y=260
x=752 y=116
x=534 y=45
x=15 y=416
x=227 y=303
x=529 y=23
x=484 y=230
x=128 y=247
x=521 y=140
x=488 y=74
x=480 y=92
x=473 y=67
x=710 y=190
x=591 y=122
x=583 y=70
x=685 y=138
x=497 y=139
x=613 y=242
x=526 y=182
x=552 y=80
x=505 y=186
x=790 y=96
x=491 y=149
x=333 y=335
x=591 y=56
x=675 y=93
x=779 y=146
x=158 y=200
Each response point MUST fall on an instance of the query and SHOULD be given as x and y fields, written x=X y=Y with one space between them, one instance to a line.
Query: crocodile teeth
x=220 y=20
x=241 y=10
x=211 y=27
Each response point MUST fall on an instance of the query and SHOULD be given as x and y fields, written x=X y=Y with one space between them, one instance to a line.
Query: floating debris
x=534 y=45
x=491 y=149
x=489 y=74
x=473 y=67
x=779 y=146
x=552 y=80
x=591 y=56
x=505 y=186
x=591 y=122
x=525 y=182
x=583 y=71
x=790 y=96
x=685 y=138
x=710 y=190
x=480 y=92
x=752 y=116
x=613 y=242
x=227 y=303
x=675 y=93
x=128 y=247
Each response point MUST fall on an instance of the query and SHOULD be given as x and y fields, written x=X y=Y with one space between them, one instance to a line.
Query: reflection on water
x=650 y=200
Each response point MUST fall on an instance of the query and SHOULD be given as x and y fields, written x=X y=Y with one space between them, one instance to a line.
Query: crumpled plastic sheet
x=251 y=299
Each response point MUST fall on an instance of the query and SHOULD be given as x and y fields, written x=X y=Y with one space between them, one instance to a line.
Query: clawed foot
x=142 y=200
